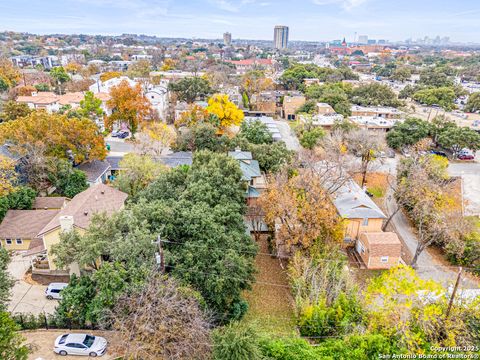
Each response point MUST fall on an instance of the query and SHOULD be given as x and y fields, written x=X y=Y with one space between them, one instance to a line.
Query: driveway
x=470 y=173
x=428 y=267
x=288 y=136
x=27 y=298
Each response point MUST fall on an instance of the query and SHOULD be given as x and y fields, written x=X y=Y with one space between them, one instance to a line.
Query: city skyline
x=313 y=20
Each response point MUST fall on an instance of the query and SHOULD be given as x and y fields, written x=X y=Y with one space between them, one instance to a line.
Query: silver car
x=80 y=344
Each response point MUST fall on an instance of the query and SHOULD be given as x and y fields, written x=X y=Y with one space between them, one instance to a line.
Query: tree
x=375 y=94
x=271 y=157
x=155 y=137
x=256 y=132
x=12 y=110
x=6 y=282
x=309 y=107
x=311 y=138
x=109 y=75
x=227 y=112
x=194 y=115
x=202 y=136
x=402 y=74
x=58 y=135
x=408 y=133
x=9 y=74
x=90 y=106
x=128 y=105
x=334 y=94
x=73 y=67
x=301 y=211
x=365 y=145
x=162 y=321
x=457 y=138
x=191 y=88
x=21 y=198
x=68 y=181
x=473 y=103
x=11 y=342
x=8 y=176
x=59 y=76
x=139 y=69
x=138 y=172
x=442 y=96
x=254 y=82
x=236 y=341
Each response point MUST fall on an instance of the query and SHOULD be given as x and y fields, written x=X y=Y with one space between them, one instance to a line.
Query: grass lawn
x=376 y=182
x=270 y=307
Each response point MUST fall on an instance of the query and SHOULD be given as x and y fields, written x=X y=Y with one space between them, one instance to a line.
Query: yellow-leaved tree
x=227 y=112
x=8 y=175
x=154 y=138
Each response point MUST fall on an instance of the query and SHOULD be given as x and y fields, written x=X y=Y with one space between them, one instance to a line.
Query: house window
x=19 y=241
x=384 y=259
x=365 y=222
x=8 y=241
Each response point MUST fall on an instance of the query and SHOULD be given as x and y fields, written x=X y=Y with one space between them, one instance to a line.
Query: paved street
x=288 y=135
x=27 y=298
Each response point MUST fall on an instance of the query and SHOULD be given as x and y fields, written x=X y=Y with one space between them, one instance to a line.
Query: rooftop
x=94 y=169
x=54 y=202
x=25 y=224
x=353 y=203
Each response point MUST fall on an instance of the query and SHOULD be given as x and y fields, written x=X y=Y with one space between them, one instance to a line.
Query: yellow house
x=77 y=214
x=19 y=228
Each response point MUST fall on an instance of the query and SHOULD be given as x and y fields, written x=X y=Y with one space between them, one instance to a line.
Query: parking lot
x=25 y=297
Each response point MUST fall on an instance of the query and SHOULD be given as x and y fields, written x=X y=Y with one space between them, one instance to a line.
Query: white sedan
x=80 y=344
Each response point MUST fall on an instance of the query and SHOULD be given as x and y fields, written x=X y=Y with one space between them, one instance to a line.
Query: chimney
x=66 y=223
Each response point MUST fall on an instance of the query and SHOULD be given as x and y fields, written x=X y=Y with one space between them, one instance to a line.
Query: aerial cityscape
x=239 y=180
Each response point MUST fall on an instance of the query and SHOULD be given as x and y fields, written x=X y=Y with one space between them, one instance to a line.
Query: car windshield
x=89 y=339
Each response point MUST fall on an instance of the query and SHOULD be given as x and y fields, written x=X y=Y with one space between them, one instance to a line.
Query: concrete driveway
x=470 y=173
x=26 y=298
x=288 y=136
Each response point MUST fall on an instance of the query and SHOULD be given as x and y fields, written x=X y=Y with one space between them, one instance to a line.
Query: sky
x=313 y=20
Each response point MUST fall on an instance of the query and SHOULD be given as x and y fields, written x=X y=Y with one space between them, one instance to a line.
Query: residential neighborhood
x=210 y=196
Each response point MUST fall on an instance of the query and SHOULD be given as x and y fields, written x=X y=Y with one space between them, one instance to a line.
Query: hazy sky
x=248 y=19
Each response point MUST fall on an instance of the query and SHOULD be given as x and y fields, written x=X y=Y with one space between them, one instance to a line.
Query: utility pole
x=160 y=258
x=454 y=292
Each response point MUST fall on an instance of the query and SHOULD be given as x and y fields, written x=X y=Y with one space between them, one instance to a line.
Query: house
x=379 y=250
x=251 y=174
x=76 y=214
x=377 y=111
x=158 y=98
x=363 y=227
x=97 y=171
x=326 y=121
x=20 y=228
x=311 y=81
x=177 y=159
x=115 y=166
x=374 y=123
x=49 y=203
x=291 y=104
x=243 y=66
x=324 y=109
x=105 y=86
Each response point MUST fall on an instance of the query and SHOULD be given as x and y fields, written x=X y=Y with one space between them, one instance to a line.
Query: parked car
x=80 y=344
x=115 y=133
x=466 y=157
x=123 y=134
x=439 y=153
x=53 y=290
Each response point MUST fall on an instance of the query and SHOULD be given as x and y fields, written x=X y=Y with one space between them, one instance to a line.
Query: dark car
x=123 y=134
x=466 y=157
x=439 y=153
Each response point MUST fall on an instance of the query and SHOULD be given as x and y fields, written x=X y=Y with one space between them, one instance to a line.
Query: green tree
x=310 y=107
x=6 y=282
x=68 y=181
x=311 y=138
x=473 y=103
x=201 y=136
x=90 y=106
x=59 y=76
x=20 y=199
x=11 y=342
x=271 y=157
x=408 y=133
x=12 y=110
x=402 y=74
x=256 y=132
x=457 y=138
x=375 y=94
x=442 y=96
x=237 y=341
x=191 y=88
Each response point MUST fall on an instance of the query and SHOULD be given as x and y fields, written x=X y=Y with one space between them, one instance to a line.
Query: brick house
x=379 y=250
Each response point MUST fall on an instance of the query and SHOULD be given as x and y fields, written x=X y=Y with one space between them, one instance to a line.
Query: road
x=428 y=267
x=288 y=136
x=27 y=298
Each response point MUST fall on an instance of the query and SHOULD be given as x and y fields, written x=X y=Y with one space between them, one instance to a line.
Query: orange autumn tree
x=194 y=115
x=8 y=175
x=301 y=211
x=110 y=75
x=128 y=105
x=58 y=134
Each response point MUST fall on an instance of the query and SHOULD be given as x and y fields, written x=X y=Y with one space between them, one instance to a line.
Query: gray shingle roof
x=177 y=158
x=353 y=203
x=94 y=169
x=114 y=162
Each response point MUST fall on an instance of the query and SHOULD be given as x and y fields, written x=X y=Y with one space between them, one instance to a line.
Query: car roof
x=76 y=338
x=57 y=284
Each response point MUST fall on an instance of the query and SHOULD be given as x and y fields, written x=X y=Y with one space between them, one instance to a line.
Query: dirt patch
x=41 y=344
x=376 y=182
x=270 y=300
x=35 y=279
